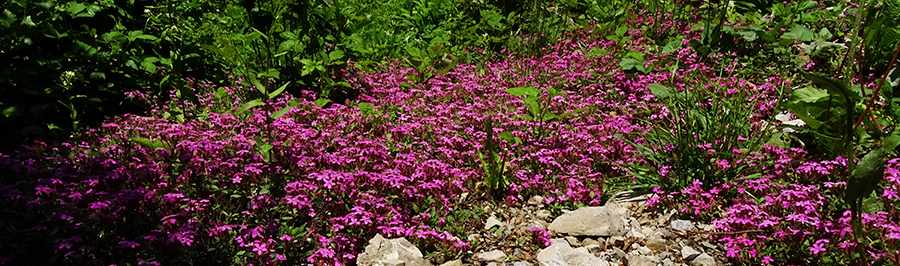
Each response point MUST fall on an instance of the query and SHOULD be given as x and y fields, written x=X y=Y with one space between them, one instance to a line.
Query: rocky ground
x=622 y=232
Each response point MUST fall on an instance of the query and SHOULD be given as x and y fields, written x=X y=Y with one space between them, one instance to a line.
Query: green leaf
x=251 y=104
x=631 y=63
x=890 y=142
x=335 y=55
x=809 y=94
x=867 y=174
x=322 y=102
x=366 y=108
x=660 y=91
x=133 y=35
x=533 y=106
x=520 y=91
x=7 y=18
x=833 y=86
x=672 y=46
x=509 y=137
x=278 y=91
x=799 y=33
x=75 y=8
x=149 y=144
x=281 y=112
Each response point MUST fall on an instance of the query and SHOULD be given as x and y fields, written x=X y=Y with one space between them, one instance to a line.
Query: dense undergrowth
x=684 y=102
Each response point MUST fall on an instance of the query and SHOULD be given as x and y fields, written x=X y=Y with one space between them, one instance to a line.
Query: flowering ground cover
x=246 y=178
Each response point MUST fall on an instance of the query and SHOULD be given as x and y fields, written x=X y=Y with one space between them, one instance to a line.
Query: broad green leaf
x=335 y=55
x=890 y=142
x=660 y=91
x=867 y=174
x=520 y=91
x=279 y=90
x=631 y=63
x=322 y=102
x=248 y=105
x=220 y=92
x=672 y=46
x=533 y=106
x=75 y=8
x=508 y=137
x=7 y=18
x=833 y=86
x=809 y=94
x=366 y=108
x=799 y=33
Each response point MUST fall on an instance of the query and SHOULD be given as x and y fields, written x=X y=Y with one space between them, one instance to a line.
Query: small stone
x=689 y=253
x=682 y=225
x=589 y=241
x=518 y=253
x=492 y=264
x=642 y=260
x=709 y=228
x=618 y=253
x=666 y=233
x=474 y=237
x=453 y=263
x=656 y=243
x=494 y=255
x=704 y=260
x=616 y=240
x=668 y=262
x=462 y=197
x=637 y=234
x=708 y=245
x=543 y=214
x=536 y=200
x=573 y=241
x=491 y=222
x=644 y=251
x=594 y=249
x=522 y=263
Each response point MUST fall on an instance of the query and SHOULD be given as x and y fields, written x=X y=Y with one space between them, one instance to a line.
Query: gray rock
x=536 y=201
x=453 y=263
x=491 y=222
x=590 y=221
x=703 y=260
x=397 y=251
x=682 y=225
x=688 y=253
x=494 y=255
x=561 y=254
x=522 y=263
